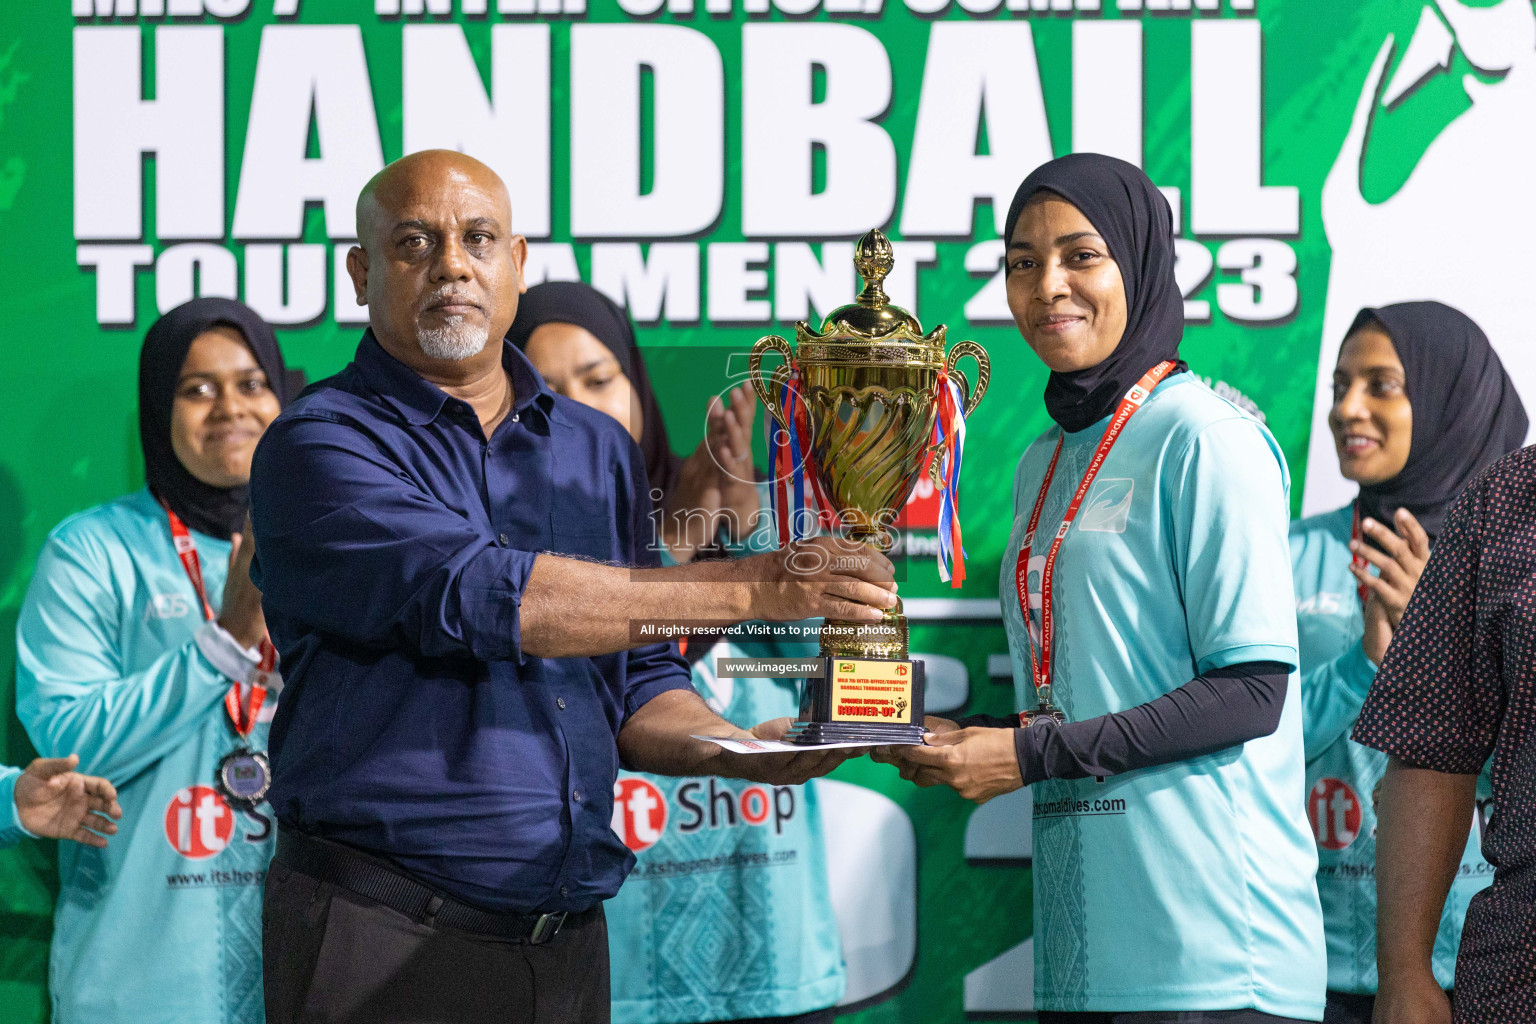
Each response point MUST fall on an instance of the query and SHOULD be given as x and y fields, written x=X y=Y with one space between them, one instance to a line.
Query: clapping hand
x=1400 y=556
x=716 y=485
x=240 y=610
x=1378 y=630
x=56 y=802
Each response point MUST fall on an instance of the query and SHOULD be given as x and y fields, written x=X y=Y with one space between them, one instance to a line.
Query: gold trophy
x=869 y=380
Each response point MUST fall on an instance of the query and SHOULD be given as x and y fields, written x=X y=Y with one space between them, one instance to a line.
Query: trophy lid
x=872 y=315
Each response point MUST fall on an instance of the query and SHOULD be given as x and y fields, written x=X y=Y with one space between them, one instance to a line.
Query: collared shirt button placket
x=560 y=703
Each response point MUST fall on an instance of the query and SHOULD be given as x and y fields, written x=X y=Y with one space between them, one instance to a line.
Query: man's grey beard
x=454 y=342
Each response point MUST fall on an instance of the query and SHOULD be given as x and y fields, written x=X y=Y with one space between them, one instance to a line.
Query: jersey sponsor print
x=639 y=813
x=1334 y=808
x=198 y=822
x=642 y=814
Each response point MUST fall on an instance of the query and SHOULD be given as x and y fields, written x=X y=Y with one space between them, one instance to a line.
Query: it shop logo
x=198 y=822
x=1334 y=807
x=641 y=812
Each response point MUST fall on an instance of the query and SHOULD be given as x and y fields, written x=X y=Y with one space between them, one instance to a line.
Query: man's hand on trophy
x=789 y=769
x=978 y=763
x=824 y=577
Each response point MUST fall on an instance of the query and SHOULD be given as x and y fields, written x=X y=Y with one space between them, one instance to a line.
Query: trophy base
x=862 y=700
x=847 y=732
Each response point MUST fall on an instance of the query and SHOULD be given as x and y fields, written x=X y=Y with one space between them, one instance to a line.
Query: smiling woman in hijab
x=1147 y=600
x=141 y=647
x=680 y=954
x=1421 y=406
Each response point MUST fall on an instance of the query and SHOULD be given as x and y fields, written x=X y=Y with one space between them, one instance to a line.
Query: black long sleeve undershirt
x=1219 y=709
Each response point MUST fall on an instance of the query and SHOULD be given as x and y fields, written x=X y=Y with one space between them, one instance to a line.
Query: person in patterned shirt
x=1459 y=684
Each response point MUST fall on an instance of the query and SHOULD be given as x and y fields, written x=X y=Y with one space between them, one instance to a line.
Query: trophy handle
x=983 y=371
x=773 y=343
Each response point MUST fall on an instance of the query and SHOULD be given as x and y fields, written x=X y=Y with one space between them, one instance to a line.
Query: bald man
x=459 y=697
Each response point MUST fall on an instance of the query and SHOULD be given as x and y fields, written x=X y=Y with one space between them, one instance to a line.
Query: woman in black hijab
x=584 y=346
x=216 y=508
x=1421 y=406
x=141 y=645
x=1152 y=629
x=1464 y=410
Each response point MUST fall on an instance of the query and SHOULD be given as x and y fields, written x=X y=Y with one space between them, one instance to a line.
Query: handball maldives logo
x=198 y=822
x=639 y=813
x=1334 y=808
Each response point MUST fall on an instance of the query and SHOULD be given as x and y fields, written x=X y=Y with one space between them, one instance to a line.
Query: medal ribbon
x=1358 y=561
x=242 y=714
x=1040 y=664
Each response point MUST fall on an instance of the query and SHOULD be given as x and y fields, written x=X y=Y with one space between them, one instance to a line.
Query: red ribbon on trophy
x=798 y=500
x=949 y=440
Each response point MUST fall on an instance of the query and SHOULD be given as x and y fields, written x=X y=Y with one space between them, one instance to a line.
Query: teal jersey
x=727 y=913
x=164 y=925
x=1189 y=886
x=11 y=831
x=1342 y=775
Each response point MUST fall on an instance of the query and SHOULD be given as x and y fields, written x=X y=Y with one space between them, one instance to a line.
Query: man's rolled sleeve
x=653 y=670
x=1438 y=699
x=491 y=602
x=350 y=544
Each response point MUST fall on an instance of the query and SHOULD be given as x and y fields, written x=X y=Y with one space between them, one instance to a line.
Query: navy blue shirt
x=393 y=543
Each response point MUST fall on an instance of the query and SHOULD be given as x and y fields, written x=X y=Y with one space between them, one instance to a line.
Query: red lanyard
x=242 y=714
x=1041 y=663
x=1358 y=561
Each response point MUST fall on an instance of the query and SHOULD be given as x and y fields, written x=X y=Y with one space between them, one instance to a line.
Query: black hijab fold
x=1466 y=412
x=215 y=511
x=1136 y=223
x=572 y=302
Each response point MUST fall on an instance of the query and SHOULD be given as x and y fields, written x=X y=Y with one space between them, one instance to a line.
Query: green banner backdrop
x=709 y=163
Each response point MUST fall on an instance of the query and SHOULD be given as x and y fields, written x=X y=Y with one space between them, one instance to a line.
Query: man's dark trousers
x=334 y=957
